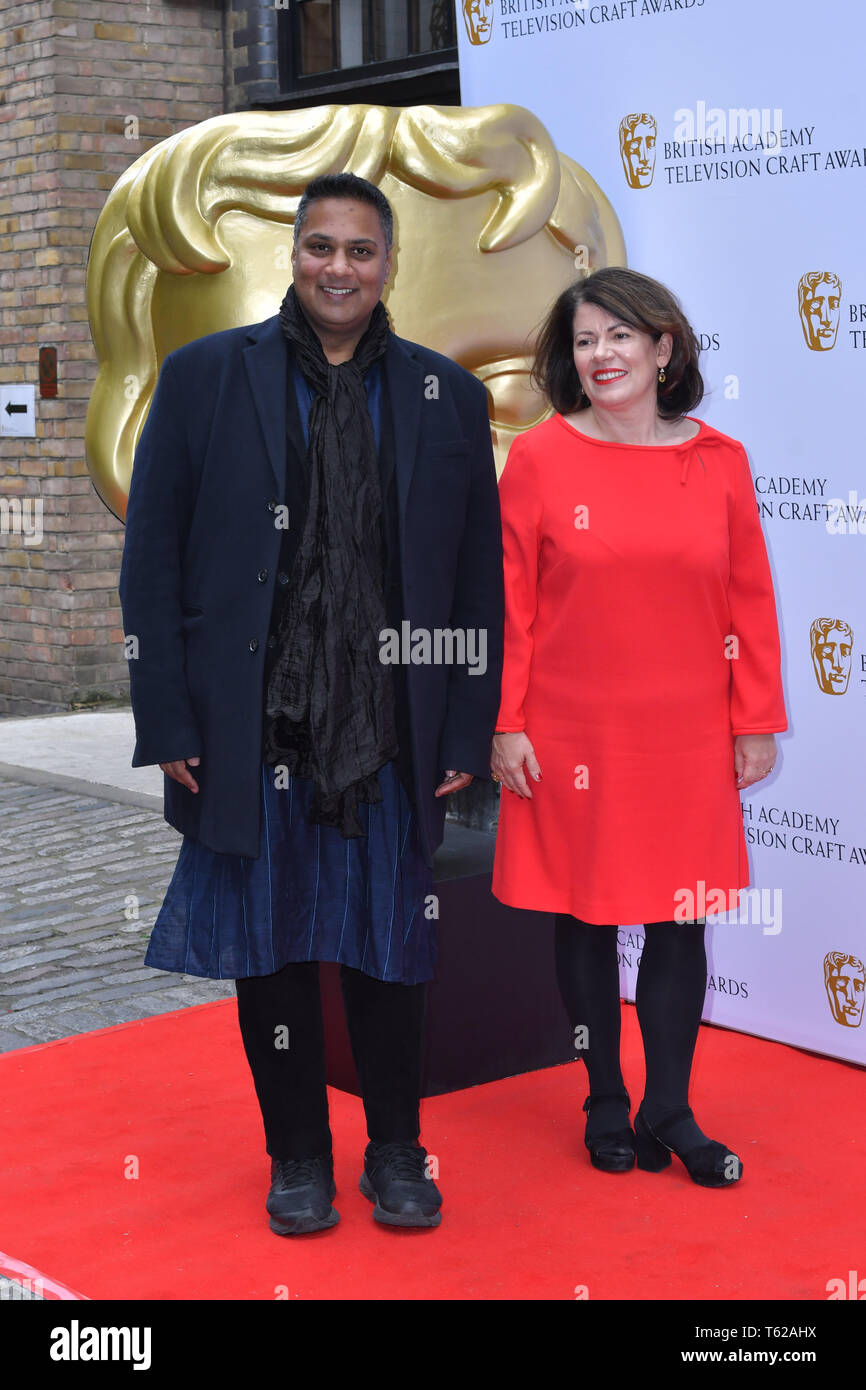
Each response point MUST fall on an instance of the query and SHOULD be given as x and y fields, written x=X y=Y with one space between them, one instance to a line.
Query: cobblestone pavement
x=81 y=882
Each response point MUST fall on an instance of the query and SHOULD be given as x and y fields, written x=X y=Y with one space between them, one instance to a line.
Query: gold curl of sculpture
x=491 y=223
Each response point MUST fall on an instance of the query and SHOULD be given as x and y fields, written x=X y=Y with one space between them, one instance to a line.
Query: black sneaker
x=300 y=1197
x=395 y=1178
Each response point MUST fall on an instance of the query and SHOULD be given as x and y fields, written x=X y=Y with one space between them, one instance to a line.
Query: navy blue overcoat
x=201 y=555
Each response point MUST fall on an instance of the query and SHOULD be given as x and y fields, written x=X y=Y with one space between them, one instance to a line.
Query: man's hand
x=454 y=782
x=510 y=754
x=754 y=758
x=180 y=774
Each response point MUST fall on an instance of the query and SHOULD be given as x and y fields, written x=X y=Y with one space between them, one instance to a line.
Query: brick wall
x=71 y=73
x=251 y=54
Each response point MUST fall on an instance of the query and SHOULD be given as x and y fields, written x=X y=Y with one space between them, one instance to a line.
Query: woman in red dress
x=641 y=691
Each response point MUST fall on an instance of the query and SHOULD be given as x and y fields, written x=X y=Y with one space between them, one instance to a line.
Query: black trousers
x=281 y=1025
x=671 y=985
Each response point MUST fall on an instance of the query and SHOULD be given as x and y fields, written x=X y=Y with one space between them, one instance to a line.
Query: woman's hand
x=754 y=757
x=511 y=753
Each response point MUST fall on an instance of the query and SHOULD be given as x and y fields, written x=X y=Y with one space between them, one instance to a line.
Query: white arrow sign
x=18 y=410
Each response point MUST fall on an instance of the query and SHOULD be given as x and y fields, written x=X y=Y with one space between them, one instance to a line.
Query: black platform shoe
x=395 y=1178
x=710 y=1164
x=300 y=1197
x=614 y=1151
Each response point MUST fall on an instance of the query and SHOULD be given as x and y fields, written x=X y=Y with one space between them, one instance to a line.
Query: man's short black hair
x=346 y=186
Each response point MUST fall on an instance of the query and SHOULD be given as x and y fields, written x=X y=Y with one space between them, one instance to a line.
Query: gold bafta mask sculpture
x=491 y=224
x=845 y=982
x=819 y=296
x=478 y=18
x=832 y=641
x=637 y=147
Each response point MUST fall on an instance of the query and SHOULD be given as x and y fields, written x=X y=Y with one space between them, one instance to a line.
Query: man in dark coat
x=312 y=571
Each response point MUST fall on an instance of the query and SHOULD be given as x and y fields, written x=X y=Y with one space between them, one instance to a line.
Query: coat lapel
x=267 y=369
x=405 y=387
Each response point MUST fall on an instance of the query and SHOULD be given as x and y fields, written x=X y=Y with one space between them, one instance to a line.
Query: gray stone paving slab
x=132 y=987
x=133 y=868
x=25 y=957
x=21 y=929
x=168 y=1000
x=78 y=815
x=21 y=1019
x=84 y=877
x=126 y=1012
x=93 y=747
x=23 y=995
x=123 y=977
x=83 y=976
x=20 y=874
x=16 y=920
x=47 y=1023
x=119 y=893
x=108 y=938
x=81 y=891
x=27 y=823
x=95 y=962
x=18 y=936
x=61 y=1026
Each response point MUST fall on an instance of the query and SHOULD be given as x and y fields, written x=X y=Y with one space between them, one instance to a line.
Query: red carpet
x=525 y=1216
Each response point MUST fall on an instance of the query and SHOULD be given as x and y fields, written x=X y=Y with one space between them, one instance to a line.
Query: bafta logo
x=831 y=640
x=819 y=295
x=845 y=982
x=637 y=148
x=201 y=241
x=478 y=18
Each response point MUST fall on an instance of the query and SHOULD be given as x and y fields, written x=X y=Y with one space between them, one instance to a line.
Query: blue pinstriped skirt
x=310 y=895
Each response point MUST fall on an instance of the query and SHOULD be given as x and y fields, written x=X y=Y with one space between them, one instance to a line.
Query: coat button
x=254 y=644
x=262 y=576
x=282 y=578
x=272 y=505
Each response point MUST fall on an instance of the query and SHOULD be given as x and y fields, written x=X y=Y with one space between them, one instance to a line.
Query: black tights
x=671 y=984
x=385 y=1024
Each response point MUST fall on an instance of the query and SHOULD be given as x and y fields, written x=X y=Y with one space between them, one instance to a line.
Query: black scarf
x=330 y=700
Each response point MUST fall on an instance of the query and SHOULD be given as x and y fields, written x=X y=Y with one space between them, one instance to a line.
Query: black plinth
x=494 y=1008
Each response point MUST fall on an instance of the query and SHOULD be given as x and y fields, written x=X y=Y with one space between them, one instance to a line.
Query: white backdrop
x=732 y=210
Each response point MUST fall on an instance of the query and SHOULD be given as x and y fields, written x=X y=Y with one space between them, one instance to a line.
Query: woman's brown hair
x=631 y=298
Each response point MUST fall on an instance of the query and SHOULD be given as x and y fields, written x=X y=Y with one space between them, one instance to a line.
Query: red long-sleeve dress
x=641 y=636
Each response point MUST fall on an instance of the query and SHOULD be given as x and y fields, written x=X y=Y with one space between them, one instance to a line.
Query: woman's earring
x=662 y=376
